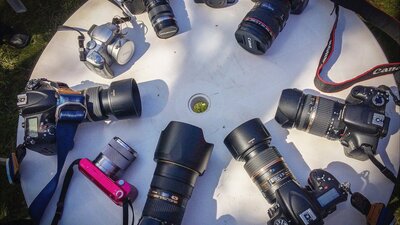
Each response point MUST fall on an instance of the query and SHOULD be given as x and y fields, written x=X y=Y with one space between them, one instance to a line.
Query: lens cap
x=289 y=105
x=245 y=136
x=184 y=144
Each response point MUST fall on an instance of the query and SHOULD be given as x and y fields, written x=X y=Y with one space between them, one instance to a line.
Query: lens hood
x=245 y=136
x=124 y=99
x=183 y=144
x=289 y=106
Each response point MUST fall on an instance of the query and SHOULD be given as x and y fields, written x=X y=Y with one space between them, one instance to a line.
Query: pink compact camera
x=108 y=167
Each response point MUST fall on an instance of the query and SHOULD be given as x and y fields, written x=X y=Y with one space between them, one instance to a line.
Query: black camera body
x=38 y=106
x=297 y=205
x=293 y=204
x=365 y=121
x=358 y=123
x=43 y=100
x=160 y=14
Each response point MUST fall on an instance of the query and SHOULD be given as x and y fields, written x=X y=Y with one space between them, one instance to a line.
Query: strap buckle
x=72 y=107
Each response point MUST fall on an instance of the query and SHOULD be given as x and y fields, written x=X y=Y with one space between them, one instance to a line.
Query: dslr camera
x=358 y=122
x=107 y=45
x=292 y=204
x=262 y=24
x=43 y=100
x=160 y=14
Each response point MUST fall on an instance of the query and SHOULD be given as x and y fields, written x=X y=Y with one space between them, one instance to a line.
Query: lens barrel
x=317 y=115
x=250 y=143
x=115 y=158
x=162 y=18
x=182 y=155
x=121 y=99
x=262 y=24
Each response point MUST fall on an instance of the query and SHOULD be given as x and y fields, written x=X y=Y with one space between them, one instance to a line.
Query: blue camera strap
x=70 y=112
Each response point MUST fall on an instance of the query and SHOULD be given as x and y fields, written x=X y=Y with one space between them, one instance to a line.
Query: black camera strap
x=61 y=200
x=388 y=24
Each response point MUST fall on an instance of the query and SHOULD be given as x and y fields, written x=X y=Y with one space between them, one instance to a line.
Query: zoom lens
x=121 y=99
x=115 y=158
x=262 y=24
x=250 y=143
x=317 y=115
x=182 y=155
x=162 y=18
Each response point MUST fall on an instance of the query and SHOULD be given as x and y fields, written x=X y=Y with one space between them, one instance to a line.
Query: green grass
x=41 y=21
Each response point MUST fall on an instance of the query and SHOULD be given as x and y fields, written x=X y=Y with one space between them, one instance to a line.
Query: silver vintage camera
x=107 y=44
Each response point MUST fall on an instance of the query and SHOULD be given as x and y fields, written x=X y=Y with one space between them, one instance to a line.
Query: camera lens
x=250 y=143
x=162 y=18
x=121 y=99
x=116 y=157
x=121 y=50
x=182 y=155
x=262 y=24
x=314 y=114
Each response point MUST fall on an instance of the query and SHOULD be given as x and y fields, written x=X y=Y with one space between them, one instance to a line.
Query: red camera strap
x=328 y=86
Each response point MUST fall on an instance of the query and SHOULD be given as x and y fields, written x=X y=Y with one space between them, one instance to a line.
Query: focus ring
x=92 y=102
x=163 y=210
x=262 y=159
x=323 y=116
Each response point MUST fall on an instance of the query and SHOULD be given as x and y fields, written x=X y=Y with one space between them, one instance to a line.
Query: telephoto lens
x=262 y=24
x=121 y=99
x=182 y=155
x=316 y=115
x=250 y=142
x=162 y=18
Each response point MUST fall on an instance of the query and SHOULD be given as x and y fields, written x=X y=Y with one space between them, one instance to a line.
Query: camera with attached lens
x=262 y=24
x=108 y=167
x=107 y=45
x=182 y=156
x=160 y=13
x=358 y=123
x=43 y=102
x=292 y=204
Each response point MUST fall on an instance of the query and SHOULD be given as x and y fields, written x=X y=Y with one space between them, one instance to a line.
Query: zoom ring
x=323 y=117
x=163 y=210
x=262 y=159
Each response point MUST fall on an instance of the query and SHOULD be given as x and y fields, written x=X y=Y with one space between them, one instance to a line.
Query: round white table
x=205 y=58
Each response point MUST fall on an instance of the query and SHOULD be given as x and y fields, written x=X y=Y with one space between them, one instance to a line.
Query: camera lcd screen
x=33 y=127
x=328 y=197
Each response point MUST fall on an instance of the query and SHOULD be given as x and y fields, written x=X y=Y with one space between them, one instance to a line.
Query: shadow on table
x=154 y=95
x=291 y=155
x=137 y=34
x=181 y=15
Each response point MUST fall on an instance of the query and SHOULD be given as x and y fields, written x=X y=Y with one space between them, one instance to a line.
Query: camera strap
x=388 y=24
x=70 y=112
x=61 y=200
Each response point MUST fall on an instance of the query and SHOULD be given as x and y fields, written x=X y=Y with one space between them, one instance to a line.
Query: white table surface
x=205 y=58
